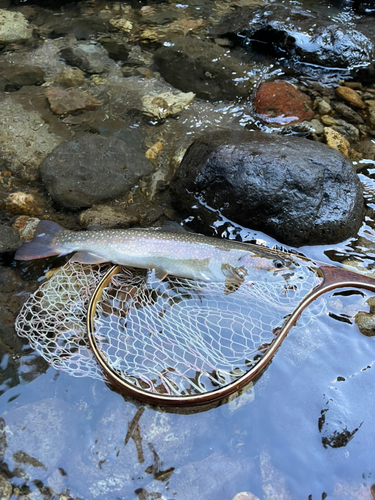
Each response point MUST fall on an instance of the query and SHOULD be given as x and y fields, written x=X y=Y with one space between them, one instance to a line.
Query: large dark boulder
x=92 y=169
x=303 y=36
x=296 y=190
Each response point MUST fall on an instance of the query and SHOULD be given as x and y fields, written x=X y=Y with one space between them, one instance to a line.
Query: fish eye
x=278 y=263
x=241 y=273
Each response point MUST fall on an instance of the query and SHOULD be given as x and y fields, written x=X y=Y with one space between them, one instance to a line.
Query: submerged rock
x=86 y=56
x=107 y=217
x=9 y=239
x=203 y=68
x=302 y=35
x=167 y=104
x=296 y=190
x=28 y=131
x=15 y=75
x=279 y=102
x=66 y=102
x=81 y=173
x=14 y=28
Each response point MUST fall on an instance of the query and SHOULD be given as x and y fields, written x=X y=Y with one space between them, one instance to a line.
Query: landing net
x=173 y=337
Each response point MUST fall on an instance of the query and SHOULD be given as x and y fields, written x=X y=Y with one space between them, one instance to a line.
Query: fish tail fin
x=42 y=244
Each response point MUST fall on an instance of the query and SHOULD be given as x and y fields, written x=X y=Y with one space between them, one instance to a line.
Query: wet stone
x=117 y=49
x=27 y=135
x=366 y=320
x=6 y=488
x=204 y=69
x=371 y=111
x=65 y=102
x=24 y=203
x=323 y=108
x=245 y=495
x=86 y=56
x=14 y=28
x=70 y=77
x=350 y=96
x=92 y=169
x=107 y=217
x=14 y=75
x=281 y=103
x=9 y=239
x=347 y=112
x=336 y=141
x=262 y=181
x=167 y=104
x=278 y=27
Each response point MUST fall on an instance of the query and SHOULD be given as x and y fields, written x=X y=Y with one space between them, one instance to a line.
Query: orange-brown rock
x=279 y=102
x=67 y=101
x=350 y=96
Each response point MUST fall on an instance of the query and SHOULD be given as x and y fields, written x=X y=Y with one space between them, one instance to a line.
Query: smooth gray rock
x=296 y=190
x=81 y=173
x=203 y=68
x=9 y=239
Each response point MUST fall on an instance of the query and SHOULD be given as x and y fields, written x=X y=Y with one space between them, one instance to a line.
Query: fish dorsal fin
x=87 y=258
x=171 y=226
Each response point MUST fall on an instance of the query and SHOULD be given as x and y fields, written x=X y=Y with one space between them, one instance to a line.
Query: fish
x=169 y=250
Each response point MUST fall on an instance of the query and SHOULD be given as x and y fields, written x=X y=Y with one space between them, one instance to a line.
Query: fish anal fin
x=160 y=274
x=87 y=258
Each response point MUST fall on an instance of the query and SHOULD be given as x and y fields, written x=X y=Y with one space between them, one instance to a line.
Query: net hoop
x=332 y=278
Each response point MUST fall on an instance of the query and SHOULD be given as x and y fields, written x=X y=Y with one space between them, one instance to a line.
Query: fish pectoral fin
x=160 y=274
x=87 y=258
x=231 y=286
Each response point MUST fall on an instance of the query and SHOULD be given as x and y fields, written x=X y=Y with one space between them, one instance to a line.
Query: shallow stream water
x=305 y=430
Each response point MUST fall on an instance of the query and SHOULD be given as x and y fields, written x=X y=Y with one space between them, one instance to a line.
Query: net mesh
x=175 y=337
x=182 y=337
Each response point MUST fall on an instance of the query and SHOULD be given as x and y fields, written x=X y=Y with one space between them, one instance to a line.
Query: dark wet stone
x=296 y=190
x=203 y=68
x=117 y=49
x=279 y=102
x=86 y=56
x=301 y=35
x=14 y=75
x=347 y=112
x=90 y=170
x=367 y=7
x=9 y=239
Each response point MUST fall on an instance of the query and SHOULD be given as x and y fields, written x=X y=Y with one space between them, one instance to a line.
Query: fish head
x=265 y=266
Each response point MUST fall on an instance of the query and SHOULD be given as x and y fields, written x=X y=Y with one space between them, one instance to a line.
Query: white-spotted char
x=169 y=251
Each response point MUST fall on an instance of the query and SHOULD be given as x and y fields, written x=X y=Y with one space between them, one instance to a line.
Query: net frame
x=331 y=278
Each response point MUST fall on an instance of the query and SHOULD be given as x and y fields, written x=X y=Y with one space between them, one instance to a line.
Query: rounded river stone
x=81 y=173
x=296 y=190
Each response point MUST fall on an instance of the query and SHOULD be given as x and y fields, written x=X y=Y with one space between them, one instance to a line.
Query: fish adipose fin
x=87 y=258
x=42 y=243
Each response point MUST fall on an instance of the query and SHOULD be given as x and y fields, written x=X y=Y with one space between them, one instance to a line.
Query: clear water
x=304 y=431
